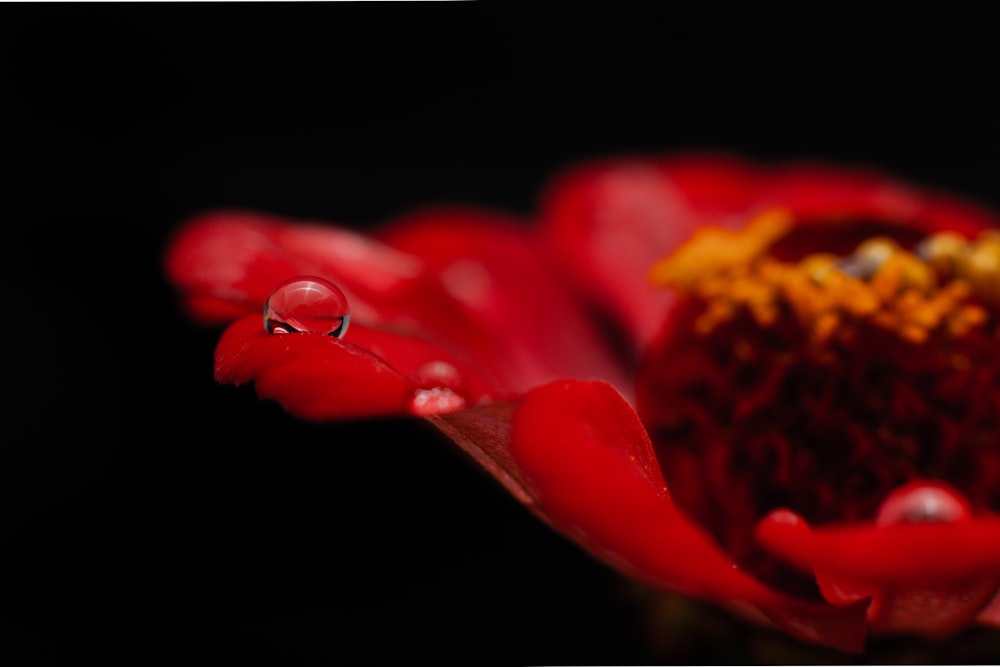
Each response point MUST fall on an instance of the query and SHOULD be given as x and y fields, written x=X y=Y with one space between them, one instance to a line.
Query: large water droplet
x=923 y=501
x=306 y=304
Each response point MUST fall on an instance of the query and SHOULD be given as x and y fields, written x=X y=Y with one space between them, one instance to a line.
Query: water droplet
x=436 y=401
x=306 y=304
x=921 y=501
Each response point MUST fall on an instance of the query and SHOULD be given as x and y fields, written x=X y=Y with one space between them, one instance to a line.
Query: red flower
x=775 y=388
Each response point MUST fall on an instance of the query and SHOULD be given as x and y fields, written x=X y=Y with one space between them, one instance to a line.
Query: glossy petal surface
x=592 y=473
x=468 y=290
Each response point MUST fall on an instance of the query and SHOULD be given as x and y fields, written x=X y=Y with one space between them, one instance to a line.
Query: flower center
x=822 y=383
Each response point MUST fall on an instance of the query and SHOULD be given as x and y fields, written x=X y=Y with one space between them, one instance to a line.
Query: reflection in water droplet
x=435 y=401
x=306 y=304
x=921 y=502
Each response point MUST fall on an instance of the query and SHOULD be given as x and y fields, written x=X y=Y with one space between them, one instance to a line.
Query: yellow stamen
x=946 y=285
x=942 y=251
x=712 y=250
x=980 y=265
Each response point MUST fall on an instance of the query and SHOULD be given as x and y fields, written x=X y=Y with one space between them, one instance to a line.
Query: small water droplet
x=923 y=502
x=436 y=401
x=306 y=304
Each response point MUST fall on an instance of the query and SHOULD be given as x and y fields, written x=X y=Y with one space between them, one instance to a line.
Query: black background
x=149 y=514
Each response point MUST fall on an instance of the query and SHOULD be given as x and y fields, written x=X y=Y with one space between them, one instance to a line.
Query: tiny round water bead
x=306 y=304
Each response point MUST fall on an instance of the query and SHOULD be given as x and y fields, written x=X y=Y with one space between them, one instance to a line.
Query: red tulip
x=776 y=388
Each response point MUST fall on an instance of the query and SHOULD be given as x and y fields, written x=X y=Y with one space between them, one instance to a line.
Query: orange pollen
x=945 y=287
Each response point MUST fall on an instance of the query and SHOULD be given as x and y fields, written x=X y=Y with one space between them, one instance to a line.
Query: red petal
x=478 y=288
x=589 y=466
x=932 y=611
x=229 y=261
x=813 y=191
x=491 y=265
x=919 y=584
x=906 y=554
x=609 y=222
x=825 y=193
x=990 y=615
x=319 y=377
x=483 y=432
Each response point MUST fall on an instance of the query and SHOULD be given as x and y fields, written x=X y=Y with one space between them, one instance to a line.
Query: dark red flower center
x=823 y=383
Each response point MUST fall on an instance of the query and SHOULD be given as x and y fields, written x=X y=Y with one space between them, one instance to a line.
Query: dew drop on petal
x=440 y=389
x=923 y=502
x=436 y=401
x=306 y=304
